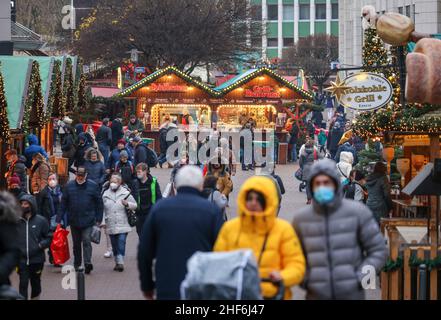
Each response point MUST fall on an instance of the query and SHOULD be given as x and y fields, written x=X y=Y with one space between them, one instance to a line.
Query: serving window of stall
x=236 y=115
x=200 y=113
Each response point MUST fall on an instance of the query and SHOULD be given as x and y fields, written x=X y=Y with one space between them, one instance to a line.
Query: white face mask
x=52 y=183
x=114 y=186
x=140 y=176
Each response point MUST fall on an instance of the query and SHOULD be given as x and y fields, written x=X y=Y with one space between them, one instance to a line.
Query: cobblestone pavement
x=105 y=284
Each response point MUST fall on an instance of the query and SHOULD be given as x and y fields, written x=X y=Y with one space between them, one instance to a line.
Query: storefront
x=258 y=94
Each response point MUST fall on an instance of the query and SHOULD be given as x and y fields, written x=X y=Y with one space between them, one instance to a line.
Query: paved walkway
x=105 y=284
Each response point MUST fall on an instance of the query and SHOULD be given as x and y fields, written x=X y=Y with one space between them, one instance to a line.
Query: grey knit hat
x=123 y=154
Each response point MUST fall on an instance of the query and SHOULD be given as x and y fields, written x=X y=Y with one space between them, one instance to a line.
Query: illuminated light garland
x=34 y=100
x=68 y=88
x=55 y=102
x=215 y=93
x=4 y=121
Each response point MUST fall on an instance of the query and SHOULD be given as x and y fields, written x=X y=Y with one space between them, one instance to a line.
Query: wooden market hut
x=258 y=93
x=413 y=230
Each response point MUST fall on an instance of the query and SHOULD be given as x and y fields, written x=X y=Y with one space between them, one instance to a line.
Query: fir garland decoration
x=34 y=101
x=4 y=121
x=392 y=265
x=68 y=88
x=55 y=103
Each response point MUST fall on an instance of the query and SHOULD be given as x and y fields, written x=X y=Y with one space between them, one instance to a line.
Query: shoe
x=115 y=268
x=108 y=254
x=160 y=165
x=88 y=268
x=120 y=267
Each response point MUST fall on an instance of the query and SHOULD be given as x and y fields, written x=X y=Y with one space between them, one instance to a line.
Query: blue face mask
x=324 y=195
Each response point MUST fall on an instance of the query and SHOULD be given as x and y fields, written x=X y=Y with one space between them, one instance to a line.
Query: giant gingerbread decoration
x=423 y=83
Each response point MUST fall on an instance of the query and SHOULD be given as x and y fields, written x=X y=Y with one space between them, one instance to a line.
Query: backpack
x=152 y=158
x=232 y=275
x=349 y=191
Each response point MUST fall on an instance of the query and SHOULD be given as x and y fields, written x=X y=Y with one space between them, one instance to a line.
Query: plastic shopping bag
x=95 y=236
x=60 y=245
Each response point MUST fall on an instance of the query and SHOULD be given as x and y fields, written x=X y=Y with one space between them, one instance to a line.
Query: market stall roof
x=16 y=74
x=25 y=39
x=162 y=72
x=105 y=92
x=247 y=76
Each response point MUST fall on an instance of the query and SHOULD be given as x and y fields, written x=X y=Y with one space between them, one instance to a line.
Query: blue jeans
x=294 y=152
x=162 y=158
x=105 y=151
x=118 y=244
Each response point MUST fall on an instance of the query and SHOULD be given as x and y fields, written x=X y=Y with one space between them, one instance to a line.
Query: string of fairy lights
x=395 y=117
x=4 y=121
x=215 y=93
x=34 y=101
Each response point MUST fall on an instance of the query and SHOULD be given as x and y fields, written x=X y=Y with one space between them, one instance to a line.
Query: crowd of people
x=324 y=249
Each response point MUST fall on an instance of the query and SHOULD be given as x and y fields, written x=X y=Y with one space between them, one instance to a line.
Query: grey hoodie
x=338 y=240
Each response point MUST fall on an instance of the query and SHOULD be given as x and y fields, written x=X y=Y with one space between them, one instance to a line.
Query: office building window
x=400 y=10
x=304 y=12
x=273 y=12
x=272 y=42
x=413 y=12
x=408 y=11
x=288 y=42
x=334 y=11
x=288 y=12
x=320 y=11
x=256 y=13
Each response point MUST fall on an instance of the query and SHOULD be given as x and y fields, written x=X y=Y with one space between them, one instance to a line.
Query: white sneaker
x=108 y=254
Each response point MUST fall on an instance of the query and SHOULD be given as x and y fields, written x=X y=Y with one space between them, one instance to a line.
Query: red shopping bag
x=60 y=245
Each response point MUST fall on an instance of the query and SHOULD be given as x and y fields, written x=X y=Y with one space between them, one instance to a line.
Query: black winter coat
x=82 y=203
x=117 y=132
x=104 y=136
x=144 y=205
x=176 y=228
x=34 y=236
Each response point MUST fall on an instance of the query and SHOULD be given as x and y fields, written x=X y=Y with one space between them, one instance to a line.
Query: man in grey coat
x=340 y=238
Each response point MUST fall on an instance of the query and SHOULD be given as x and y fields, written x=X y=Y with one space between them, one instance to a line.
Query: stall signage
x=366 y=91
x=168 y=87
x=262 y=92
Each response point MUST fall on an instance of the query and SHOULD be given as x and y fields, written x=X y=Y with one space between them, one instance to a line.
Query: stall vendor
x=186 y=118
x=135 y=124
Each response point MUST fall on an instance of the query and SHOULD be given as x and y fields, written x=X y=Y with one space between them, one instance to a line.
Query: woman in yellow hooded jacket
x=273 y=241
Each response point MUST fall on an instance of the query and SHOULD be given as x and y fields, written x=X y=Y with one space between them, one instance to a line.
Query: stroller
x=225 y=276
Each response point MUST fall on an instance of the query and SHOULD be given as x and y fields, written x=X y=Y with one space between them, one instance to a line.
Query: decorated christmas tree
x=69 y=88
x=55 y=105
x=34 y=101
x=82 y=97
x=4 y=122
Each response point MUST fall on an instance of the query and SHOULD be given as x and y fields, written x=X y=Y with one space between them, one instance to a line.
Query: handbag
x=60 y=245
x=95 y=236
x=132 y=218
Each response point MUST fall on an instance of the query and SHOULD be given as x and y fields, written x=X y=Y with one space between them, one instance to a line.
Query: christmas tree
x=4 y=121
x=82 y=98
x=55 y=105
x=68 y=88
x=34 y=101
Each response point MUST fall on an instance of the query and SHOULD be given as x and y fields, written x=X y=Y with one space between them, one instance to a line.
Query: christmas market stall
x=409 y=128
x=258 y=94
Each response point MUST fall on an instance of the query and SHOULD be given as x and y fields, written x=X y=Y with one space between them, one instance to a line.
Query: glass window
x=288 y=42
x=288 y=12
x=334 y=11
x=413 y=12
x=273 y=12
x=400 y=10
x=272 y=42
x=408 y=11
x=320 y=11
x=304 y=12
x=256 y=13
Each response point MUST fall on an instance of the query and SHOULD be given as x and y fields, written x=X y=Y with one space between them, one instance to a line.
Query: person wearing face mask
x=116 y=199
x=49 y=204
x=217 y=167
x=83 y=145
x=272 y=240
x=14 y=187
x=146 y=192
x=339 y=238
x=125 y=168
x=34 y=237
x=94 y=167
x=83 y=205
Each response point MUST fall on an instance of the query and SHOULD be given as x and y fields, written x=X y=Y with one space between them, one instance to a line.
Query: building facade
x=426 y=15
x=285 y=21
